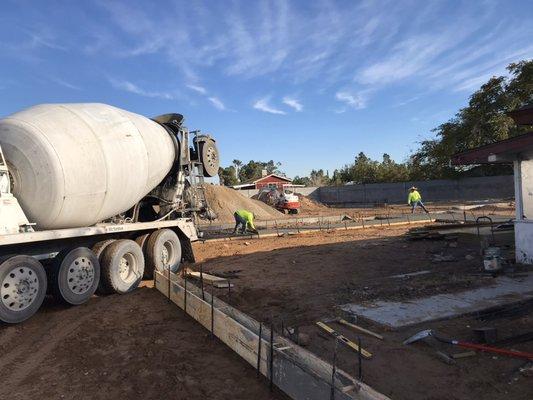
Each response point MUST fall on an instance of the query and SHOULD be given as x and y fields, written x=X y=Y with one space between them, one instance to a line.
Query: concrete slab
x=399 y=314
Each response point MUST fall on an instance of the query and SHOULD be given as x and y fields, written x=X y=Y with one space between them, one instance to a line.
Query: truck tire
x=75 y=276
x=122 y=266
x=163 y=249
x=22 y=288
x=209 y=157
x=98 y=250
x=142 y=241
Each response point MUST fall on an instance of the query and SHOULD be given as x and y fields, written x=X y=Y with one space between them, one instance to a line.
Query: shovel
x=429 y=332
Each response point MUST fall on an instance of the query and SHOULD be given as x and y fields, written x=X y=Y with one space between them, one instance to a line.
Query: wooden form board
x=216 y=281
x=296 y=371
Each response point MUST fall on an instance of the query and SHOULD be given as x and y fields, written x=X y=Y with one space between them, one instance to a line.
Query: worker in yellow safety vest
x=415 y=200
x=246 y=220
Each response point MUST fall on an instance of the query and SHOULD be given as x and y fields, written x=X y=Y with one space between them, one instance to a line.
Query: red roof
x=503 y=151
x=270 y=176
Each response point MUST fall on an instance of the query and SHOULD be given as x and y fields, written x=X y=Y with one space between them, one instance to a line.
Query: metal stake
x=212 y=312
x=229 y=291
x=202 y=281
x=271 y=356
x=360 y=364
x=333 y=371
x=259 y=348
x=168 y=282
x=185 y=294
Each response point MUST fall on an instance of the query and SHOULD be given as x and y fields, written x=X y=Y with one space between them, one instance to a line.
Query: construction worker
x=246 y=219
x=415 y=200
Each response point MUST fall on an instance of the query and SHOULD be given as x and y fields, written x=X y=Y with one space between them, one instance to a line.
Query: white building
x=518 y=151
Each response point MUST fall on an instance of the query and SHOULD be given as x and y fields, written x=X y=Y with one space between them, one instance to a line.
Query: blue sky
x=306 y=83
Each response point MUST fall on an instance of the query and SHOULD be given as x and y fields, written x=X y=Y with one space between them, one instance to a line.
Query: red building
x=272 y=180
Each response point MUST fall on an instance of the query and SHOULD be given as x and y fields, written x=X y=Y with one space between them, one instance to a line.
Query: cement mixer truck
x=94 y=198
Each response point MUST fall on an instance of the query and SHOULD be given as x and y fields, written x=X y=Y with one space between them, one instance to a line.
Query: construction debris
x=215 y=281
x=358 y=328
x=464 y=354
x=345 y=340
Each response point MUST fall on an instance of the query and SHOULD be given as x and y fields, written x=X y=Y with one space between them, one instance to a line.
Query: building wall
x=526 y=172
x=524 y=241
x=467 y=189
x=268 y=180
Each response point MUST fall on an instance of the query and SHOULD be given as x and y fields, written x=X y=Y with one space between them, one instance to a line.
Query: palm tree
x=237 y=164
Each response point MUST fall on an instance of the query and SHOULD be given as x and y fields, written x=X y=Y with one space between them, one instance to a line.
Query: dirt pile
x=225 y=201
x=309 y=206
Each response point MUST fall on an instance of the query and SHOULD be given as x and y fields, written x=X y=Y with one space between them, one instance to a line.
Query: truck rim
x=19 y=288
x=167 y=253
x=211 y=157
x=80 y=276
x=127 y=268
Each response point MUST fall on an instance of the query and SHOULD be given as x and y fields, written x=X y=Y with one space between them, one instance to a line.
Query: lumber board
x=296 y=371
x=345 y=340
x=216 y=281
x=360 y=329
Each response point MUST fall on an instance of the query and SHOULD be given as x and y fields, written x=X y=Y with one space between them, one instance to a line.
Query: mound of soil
x=309 y=206
x=225 y=201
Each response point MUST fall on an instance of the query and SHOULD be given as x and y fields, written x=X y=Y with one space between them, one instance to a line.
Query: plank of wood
x=298 y=372
x=344 y=339
x=464 y=354
x=360 y=329
x=216 y=281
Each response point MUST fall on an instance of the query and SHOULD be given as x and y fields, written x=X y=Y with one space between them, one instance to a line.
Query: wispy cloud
x=64 y=83
x=263 y=105
x=197 y=88
x=357 y=101
x=294 y=103
x=130 y=87
x=217 y=103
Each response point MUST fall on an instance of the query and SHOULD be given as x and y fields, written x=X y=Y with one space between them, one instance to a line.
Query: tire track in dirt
x=30 y=355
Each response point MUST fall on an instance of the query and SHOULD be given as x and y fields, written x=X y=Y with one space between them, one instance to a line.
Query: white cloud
x=263 y=105
x=357 y=101
x=64 y=83
x=130 y=87
x=217 y=103
x=197 y=88
x=292 y=102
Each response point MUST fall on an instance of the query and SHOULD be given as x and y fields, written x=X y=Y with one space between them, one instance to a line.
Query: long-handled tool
x=429 y=332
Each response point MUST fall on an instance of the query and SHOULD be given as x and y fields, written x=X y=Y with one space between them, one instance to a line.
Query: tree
x=237 y=165
x=227 y=176
x=318 y=178
x=482 y=122
x=301 y=180
x=253 y=169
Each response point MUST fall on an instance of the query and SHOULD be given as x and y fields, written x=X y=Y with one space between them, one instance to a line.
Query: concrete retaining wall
x=467 y=189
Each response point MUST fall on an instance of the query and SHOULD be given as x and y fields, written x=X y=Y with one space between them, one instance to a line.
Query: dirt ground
x=141 y=346
x=137 y=346
x=302 y=279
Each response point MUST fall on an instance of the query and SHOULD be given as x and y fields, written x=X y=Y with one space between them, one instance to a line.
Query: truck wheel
x=75 y=276
x=209 y=158
x=22 y=288
x=122 y=266
x=142 y=241
x=163 y=249
x=98 y=250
